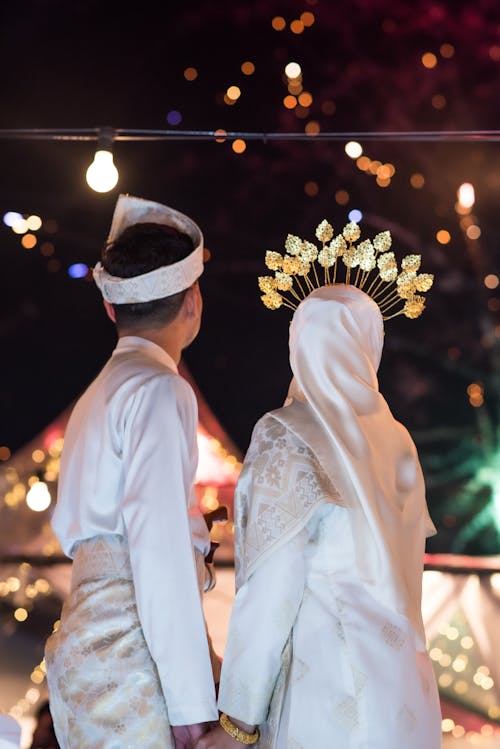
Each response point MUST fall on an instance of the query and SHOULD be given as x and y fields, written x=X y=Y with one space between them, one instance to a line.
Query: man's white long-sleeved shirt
x=128 y=467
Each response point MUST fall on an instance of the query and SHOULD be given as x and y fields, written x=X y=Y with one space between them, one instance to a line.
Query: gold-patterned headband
x=297 y=272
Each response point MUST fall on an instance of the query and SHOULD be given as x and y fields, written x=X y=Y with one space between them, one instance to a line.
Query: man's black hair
x=139 y=249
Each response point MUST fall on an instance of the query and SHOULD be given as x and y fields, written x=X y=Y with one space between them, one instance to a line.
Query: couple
x=326 y=647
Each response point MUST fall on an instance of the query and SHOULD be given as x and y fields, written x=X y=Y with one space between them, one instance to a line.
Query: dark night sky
x=85 y=64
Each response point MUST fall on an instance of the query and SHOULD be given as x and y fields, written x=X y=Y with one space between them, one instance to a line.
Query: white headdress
x=161 y=282
x=336 y=340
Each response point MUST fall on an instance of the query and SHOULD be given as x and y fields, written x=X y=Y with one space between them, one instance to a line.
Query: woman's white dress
x=311 y=656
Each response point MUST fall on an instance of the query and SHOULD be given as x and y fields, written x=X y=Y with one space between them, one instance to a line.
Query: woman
x=326 y=646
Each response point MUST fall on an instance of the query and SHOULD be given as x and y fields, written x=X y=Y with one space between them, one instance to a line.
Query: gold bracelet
x=237 y=733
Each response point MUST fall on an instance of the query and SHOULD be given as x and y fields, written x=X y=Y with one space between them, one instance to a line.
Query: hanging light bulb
x=102 y=174
x=38 y=498
x=466 y=195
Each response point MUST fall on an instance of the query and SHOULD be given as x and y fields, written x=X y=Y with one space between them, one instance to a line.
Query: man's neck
x=165 y=338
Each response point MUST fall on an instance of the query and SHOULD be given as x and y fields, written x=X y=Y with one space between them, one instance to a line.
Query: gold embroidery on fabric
x=102 y=680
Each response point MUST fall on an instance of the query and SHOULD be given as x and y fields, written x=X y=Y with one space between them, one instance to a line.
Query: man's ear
x=109 y=310
x=190 y=303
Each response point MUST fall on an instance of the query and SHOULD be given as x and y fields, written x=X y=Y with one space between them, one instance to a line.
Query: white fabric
x=159 y=283
x=338 y=667
x=278 y=490
x=336 y=340
x=128 y=467
x=10 y=732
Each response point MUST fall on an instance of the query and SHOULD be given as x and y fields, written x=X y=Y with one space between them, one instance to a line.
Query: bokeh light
x=38 y=498
x=447 y=50
x=473 y=231
x=312 y=127
x=293 y=70
x=438 y=101
x=429 y=60
x=174 y=117
x=353 y=149
x=28 y=241
x=342 y=197
x=247 y=68
x=11 y=218
x=296 y=26
x=233 y=93
x=311 y=188
x=491 y=281
x=355 y=215
x=307 y=18
x=363 y=163
x=20 y=227
x=47 y=249
x=78 y=270
x=239 y=145
x=417 y=181
x=443 y=236
x=305 y=99
x=4 y=453
x=220 y=135
x=34 y=223
x=466 y=195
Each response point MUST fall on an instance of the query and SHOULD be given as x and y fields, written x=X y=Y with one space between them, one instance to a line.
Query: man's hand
x=185 y=737
x=215 y=516
x=217 y=739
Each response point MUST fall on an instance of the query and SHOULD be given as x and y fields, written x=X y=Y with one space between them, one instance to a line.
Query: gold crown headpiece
x=369 y=265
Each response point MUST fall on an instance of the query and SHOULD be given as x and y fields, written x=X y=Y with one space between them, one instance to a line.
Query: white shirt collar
x=136 y=343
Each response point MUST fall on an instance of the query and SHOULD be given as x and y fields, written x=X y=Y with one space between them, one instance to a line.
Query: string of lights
x=102 y=174
x=125 y=134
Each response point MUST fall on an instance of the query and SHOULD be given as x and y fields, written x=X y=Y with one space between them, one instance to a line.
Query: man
x=131 y=663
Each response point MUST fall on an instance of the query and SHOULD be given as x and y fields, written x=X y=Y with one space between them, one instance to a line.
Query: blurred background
x=307 y=67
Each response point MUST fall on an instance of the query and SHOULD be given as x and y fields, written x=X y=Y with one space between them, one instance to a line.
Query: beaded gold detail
x=369 y=265
x=237 y=733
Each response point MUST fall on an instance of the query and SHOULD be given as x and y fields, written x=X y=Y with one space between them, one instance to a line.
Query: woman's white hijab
x=336 y=341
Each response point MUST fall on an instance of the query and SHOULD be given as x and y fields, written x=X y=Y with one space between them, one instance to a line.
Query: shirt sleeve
x=158 y=458
x=262 y=618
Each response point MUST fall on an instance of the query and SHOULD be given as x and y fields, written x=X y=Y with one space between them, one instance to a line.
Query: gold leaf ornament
x=293 y=244
x=324 y=231
x=267 y=284
x=274 y=260
x=351 y=231
x=303 y=268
